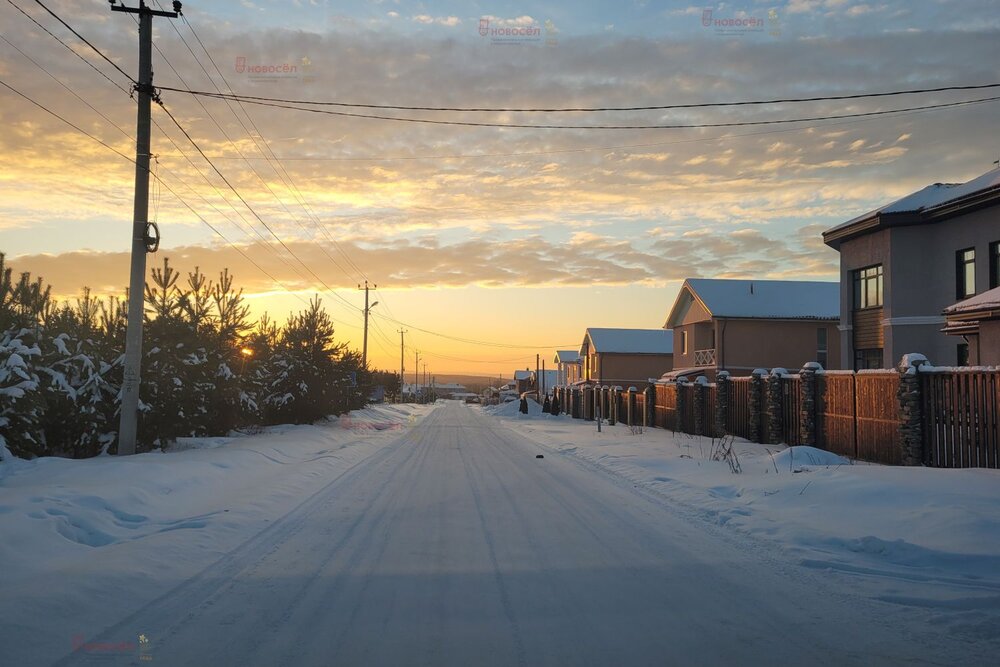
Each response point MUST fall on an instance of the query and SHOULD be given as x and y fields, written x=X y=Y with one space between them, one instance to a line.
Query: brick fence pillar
x=649 y=414
x=807 y=410
x=700 y=418
x=723 y=390
x=774 y=416
x=757 y=402
x=679 y=406
x=911 y=422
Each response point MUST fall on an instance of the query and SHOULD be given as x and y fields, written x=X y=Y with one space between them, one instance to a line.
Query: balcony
x=704 y=357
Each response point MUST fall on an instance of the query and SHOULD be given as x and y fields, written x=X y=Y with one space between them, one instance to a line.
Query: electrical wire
x=239 y=196
x=662 y=107
x=527 y=126
x=69 y=48
x=86 y=41
x=279 y=170
x=165 y=185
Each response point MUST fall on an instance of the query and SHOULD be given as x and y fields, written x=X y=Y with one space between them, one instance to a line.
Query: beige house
x=567 y=367
x=977 y=321
x=625 y=357
x=740 y=325
x=901 y=265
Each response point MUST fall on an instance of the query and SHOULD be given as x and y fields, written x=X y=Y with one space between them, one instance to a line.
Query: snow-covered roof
x=767 y=299
x=931 y=197
x=989 y=300
x=632 y=341
x=522 y=375
x=567 y=356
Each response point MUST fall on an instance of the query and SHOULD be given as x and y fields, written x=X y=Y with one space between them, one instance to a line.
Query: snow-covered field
x=110 y=533
x=919 y=537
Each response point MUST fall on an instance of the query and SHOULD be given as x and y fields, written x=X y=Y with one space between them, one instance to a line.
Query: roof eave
x=877 y=221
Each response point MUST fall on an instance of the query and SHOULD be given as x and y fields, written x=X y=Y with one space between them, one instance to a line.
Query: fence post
x=756 y=403
x=911 y=423
x=723 y=387
x=631 y=406
x=679 y=406
x=649 y=414
x=774 y=415
x=807 y=409
x=613 y=406
x=700 y=385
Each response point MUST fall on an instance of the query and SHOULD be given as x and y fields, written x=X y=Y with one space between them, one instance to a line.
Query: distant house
x=522 y=380
x=568 y=368
x=977 y=321
x=901 y=265
x=740 y=325
x=625 y=357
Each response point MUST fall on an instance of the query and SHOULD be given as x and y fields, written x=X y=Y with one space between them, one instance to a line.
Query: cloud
x=364 y=178
x=587 y=259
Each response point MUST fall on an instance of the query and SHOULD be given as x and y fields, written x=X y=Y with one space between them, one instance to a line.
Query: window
x=821 y=348
x=995 y=264
x=871 y=358
x=963 y=354
x=868 y=287
x=965 y=261
x=684 y=342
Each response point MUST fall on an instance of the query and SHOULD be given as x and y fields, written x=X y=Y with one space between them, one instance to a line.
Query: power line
x=130 y=78
x=470 y=341
x=272 y=160
x=527 y=126
x=69 y=48
x=661 y=107
x=247 y=204
x=86 y=41
x=165 y=185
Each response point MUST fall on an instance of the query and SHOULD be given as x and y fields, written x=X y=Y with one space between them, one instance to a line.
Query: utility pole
x=145 y=234
x=538 y=379
x=402 y=366
x=416 y=370
x=364 y=349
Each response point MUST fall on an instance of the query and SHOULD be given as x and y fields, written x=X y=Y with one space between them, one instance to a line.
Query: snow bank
x=513 y=409
x=115 y=533
x=922 y=537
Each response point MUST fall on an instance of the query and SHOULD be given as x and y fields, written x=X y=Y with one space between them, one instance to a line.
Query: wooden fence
x=961 y=419
x=865 y=415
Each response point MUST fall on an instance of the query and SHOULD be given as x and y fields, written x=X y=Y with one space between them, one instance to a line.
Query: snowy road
x=456 y=546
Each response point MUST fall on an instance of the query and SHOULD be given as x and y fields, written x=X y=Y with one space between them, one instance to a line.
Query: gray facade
x=920 y=275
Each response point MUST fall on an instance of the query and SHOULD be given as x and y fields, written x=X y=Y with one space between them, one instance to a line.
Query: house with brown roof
x=740 y=325
x=625 y=357
x=977 y=321
x=902 y=264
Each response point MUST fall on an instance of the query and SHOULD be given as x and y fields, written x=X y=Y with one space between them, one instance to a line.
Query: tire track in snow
x=184 y=600
x=508 y=609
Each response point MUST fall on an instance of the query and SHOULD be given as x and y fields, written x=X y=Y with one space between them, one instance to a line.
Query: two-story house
x=567 y=366
x=901 y=265
x=625 y=357
x=740 y=325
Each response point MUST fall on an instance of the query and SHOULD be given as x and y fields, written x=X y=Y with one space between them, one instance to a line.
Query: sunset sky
x=520 y=238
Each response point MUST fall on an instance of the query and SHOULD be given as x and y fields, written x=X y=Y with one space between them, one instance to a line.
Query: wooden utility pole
x=145 y=234
x=416 y=370
x=402 y=366
x=364 y=349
